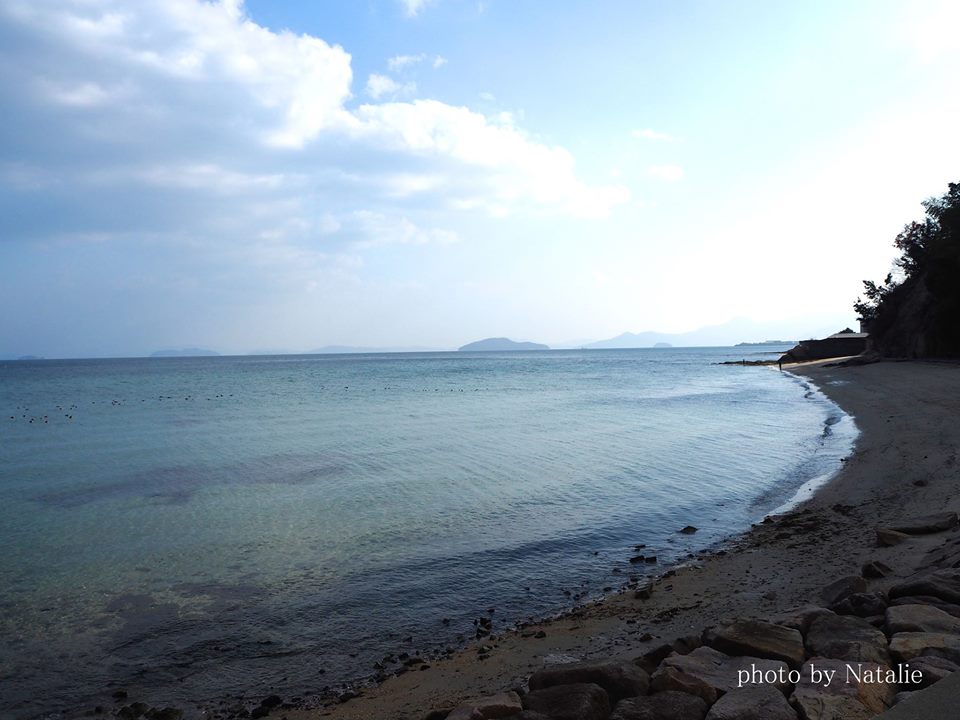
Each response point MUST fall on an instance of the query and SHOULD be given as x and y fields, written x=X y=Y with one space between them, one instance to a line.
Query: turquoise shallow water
x=194 y=528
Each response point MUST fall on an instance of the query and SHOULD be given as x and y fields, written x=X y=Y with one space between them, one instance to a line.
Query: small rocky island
x=499 y=345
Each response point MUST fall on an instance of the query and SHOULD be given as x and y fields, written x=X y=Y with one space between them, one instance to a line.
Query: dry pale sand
x=904 y=464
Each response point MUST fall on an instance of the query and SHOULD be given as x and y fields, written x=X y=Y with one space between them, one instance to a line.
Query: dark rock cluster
x=850 y=656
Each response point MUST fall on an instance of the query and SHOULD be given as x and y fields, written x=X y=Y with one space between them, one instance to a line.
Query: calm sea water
x=197 y=528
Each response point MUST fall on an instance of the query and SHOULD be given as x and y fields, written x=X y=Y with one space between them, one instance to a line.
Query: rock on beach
x=845 y=637
x=721 y=672
x=619 y=680
x=668 y=705
x=758 y=638
x=580 y=701
x=752 y=703
x=840 y=700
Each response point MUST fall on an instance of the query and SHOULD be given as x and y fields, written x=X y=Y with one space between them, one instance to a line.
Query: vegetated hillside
x=916 y=311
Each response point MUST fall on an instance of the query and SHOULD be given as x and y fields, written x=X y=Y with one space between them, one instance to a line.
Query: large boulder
x=495 y=706
x=932 y=669
x=752 y=703
x=723 y=673
x=669 y=678
x=947 y=555
x=926 y=523
x=842 y=588
x=799 y=618
x=651 y=659
x=902 y=695
x=758 y=639
x=580 y=701
x=845 y=637
x=906 y=646
x=844 y=697
x=949 y=608
x=620 y=680
x=942 y=584
x=862 y=605
x=921 y=618
x=669 y=705
x=888 y=538
x=875 y=569
x=686 y=644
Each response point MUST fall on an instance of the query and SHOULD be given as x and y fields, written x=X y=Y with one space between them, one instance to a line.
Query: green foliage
x=918 y=311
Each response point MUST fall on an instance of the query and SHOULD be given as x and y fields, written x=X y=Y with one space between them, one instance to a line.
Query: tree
x=916 y=310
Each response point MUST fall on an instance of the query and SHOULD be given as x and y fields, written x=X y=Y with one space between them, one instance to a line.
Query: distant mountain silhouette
x=738 y=330
x=630 y=340
x=500 y=344
x=185 y=352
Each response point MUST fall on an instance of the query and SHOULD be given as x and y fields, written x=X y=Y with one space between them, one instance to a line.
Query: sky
x=273 y=175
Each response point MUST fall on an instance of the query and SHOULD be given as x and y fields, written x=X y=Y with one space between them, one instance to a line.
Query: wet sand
x=904 y=464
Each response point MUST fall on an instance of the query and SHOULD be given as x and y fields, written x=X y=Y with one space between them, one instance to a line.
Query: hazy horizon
x=426 y=173
x=737 y=331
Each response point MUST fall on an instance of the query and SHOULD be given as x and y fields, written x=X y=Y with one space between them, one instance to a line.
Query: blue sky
x=288 y=175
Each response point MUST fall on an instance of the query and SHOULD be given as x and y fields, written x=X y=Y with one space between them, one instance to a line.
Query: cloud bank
x=182 y=97
x=178 y=168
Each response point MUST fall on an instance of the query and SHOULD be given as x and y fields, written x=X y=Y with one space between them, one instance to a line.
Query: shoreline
x=899 y=408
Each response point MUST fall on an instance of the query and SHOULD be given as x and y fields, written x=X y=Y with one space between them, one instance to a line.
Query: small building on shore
x=841 y=344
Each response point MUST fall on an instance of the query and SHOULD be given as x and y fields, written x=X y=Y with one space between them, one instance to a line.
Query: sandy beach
x=904 y=464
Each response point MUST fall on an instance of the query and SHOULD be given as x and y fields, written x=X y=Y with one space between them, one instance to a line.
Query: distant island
x=766 y=342
x=185 y=352
x=499 y=345
x=662 y=345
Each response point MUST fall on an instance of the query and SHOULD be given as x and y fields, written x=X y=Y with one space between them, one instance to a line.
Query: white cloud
x=519 y=167
x=210 y=177
x=670 y=173
x=176 y=86
x=402 y=185
x=648 y=134
x=400 y=63
x=379 y=86
x=413 y=7
x=88 y=94
x=379 y=229
x=328 y=224
x=301 y=80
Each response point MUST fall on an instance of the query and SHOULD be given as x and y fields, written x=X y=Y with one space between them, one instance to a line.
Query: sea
x=190 y=529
